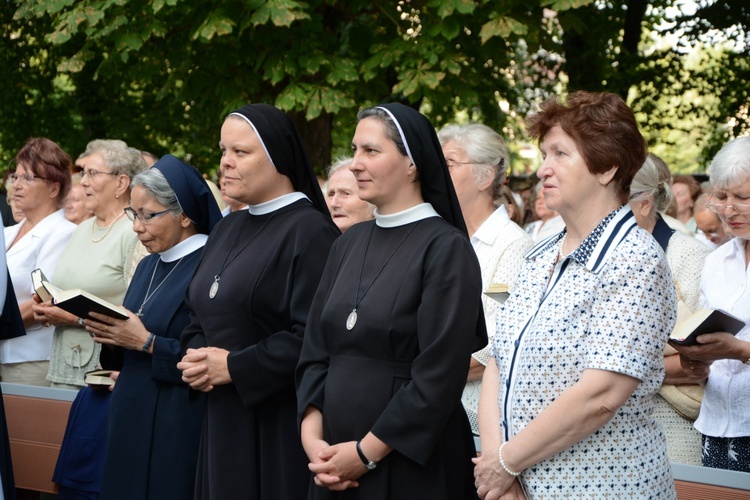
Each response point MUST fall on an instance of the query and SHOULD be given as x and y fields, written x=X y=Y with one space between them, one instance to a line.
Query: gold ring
x=105 y=328
x=47 y=324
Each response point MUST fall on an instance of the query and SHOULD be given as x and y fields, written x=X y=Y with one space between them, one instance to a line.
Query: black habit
x=401 y=370
x=272 y=264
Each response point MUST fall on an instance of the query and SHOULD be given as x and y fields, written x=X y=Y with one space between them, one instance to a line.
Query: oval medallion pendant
x=351 y=320
x=214 y=289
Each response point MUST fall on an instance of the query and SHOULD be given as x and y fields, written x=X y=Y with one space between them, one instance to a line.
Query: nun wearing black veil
x=391 y=328
x=153 y=428
x=250 y=298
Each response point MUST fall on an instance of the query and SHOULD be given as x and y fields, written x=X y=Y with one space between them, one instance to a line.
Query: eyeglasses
x=93 y=173
x=453 y=163
x=25 y=177
x=144 y=217
x=720 y=208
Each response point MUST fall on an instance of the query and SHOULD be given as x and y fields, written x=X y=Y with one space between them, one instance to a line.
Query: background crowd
x=288 y=336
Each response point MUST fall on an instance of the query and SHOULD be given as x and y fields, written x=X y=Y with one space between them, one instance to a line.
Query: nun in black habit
x=250 y=299
x=153 y=428
x=393 y=323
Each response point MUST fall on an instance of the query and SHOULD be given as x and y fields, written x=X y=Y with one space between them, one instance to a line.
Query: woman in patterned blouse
x=566 y=401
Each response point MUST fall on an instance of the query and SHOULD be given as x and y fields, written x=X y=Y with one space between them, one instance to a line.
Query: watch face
x=371 y=465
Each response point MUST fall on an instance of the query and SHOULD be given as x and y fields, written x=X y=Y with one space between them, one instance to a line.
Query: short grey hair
x=157 y=188
x=652 y=181
x=117 y=156
x=731 y=165
x=337 y=165
x=486 y=150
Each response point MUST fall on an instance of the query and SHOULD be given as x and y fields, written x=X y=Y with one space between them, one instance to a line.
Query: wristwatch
x=369 y=464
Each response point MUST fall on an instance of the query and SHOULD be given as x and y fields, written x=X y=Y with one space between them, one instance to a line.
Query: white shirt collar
x=413 y=214
x=184 y=248
x=490 y=228
x=277 y=203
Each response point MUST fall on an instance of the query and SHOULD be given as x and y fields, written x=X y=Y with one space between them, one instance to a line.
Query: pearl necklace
x=109 y=228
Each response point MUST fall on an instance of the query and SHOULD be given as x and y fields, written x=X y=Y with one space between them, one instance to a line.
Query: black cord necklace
x=351 y=320
x=215 y=285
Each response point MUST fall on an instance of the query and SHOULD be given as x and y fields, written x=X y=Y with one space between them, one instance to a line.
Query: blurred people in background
x=341 y=191
x=711 y=230
x=75 y=203
x=686 y=190
x=548 y=221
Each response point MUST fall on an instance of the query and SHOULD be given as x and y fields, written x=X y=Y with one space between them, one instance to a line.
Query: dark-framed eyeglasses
x=144 y=217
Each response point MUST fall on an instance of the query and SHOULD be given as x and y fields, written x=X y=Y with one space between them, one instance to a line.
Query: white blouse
x=725 y=284
x=39 y=248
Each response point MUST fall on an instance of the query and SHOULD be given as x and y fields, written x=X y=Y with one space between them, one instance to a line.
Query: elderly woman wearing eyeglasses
x=96 y=258
x=724 y=419
x=40 y=183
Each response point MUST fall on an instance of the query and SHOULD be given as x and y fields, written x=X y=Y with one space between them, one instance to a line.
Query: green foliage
x=161 y=74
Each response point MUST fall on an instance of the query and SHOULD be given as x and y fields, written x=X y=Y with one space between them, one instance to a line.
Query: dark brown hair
x=604 y=130
x=46 y=159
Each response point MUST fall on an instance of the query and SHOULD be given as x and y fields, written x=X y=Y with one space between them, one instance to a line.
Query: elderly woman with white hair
x=478 y=163
x=346 y=207
x=678 y=402
x=724 y=420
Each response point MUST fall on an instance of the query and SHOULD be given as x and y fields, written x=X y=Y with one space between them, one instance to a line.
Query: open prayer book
x=498 y=291
x=705 y=321
x=75 y=300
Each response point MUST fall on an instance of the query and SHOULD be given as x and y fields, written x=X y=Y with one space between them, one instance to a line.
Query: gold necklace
x=109 y=228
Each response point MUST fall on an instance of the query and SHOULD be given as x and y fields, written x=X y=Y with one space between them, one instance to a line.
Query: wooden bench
x=36 y=418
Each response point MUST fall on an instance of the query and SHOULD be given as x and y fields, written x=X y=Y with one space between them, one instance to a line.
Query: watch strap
x=368 y=463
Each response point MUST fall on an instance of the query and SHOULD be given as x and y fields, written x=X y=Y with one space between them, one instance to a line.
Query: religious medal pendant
x=214 y=287
x=352 y=319
x=140 y=312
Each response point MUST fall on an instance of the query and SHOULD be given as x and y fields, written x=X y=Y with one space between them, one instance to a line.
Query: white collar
x=413 y=214
x=277 y=203
x=490 y=228
x=183 y=248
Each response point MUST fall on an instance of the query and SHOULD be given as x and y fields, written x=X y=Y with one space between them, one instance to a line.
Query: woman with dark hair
x=153 y=428
x=566 y=402
x=249 y=299
x=41 y=182
x=392 y=327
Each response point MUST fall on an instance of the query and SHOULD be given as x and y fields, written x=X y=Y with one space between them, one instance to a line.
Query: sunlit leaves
x=560 y=5
x=501 y=26
x=215 y=23
x=279 y=13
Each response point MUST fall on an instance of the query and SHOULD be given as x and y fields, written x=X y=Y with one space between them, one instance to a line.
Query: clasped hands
x=492 y=482
x=336 y=467
x=205 y=368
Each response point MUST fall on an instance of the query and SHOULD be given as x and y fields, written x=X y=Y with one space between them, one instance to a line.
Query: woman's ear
x=123 y=183
x=606 y=177
x=185 y=220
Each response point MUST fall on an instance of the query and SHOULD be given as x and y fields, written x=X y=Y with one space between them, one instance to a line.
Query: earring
x=117 y=196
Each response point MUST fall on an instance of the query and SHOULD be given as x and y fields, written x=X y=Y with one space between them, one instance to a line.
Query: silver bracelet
x=502 y=462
